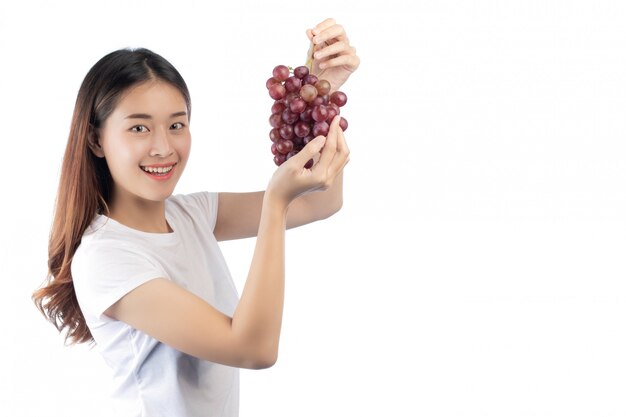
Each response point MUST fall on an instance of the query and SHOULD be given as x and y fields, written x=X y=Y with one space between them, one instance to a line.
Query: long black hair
x=85 y=183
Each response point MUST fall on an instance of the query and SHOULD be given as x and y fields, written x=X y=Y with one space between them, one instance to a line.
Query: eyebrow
x=147 y=116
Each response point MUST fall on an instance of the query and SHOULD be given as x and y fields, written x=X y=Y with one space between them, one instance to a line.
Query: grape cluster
x=302 y=110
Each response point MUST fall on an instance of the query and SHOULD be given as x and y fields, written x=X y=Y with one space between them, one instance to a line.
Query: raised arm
x=334 y=60
x=250 y=338
x=239 y=214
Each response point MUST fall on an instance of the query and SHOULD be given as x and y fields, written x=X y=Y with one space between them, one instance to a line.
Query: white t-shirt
x=150 y=378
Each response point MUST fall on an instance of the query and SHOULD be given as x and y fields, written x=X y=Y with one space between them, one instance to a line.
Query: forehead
x=151 y=97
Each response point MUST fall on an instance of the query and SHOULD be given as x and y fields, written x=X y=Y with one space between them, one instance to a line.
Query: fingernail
x=318 y=54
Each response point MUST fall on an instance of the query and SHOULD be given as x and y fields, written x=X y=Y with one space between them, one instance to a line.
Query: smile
x=158 y=171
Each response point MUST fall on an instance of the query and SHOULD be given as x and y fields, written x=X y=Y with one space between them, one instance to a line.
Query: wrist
x=275 y=203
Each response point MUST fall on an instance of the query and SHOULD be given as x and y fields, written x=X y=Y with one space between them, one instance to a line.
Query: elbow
x=264 y=363
x=262 y=360
x=332 y=209
x=259 y=354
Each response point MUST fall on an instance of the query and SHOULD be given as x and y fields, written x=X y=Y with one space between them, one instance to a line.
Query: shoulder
x=199 y=206
x=105 y=244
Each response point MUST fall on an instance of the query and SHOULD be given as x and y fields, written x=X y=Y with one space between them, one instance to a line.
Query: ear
x=94 y=142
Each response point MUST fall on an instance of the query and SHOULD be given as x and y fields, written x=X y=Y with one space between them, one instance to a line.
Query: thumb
x=309 y=151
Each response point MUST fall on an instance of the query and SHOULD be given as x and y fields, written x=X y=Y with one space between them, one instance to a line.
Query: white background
x=477 y=267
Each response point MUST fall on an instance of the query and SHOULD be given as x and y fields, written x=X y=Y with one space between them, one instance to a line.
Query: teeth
x=159 y=170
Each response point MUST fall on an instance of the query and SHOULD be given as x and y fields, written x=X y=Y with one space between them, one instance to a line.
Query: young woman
x=138 y=270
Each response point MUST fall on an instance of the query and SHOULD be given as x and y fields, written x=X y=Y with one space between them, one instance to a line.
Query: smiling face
x=146 y=142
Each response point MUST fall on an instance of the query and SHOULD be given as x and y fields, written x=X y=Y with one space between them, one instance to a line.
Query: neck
x=144 y=215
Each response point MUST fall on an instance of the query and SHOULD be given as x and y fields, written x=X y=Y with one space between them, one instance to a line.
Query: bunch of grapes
x=302 y=110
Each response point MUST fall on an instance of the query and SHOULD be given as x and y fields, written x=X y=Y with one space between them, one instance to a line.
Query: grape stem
x=309 y=58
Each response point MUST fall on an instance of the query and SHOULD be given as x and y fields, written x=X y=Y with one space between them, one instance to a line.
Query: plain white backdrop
x=477 y=267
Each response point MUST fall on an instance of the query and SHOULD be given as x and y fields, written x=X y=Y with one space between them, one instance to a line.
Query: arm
x=186 y=322
x=239 y=214
x=250 y=338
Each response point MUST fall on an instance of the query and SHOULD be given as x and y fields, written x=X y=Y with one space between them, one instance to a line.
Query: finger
x=323 y=25
x=328 y=153
x=342 y=145
x=342 y=152
x=310 y=151
x=350 y=61
x=334 y=32
x=337 y=48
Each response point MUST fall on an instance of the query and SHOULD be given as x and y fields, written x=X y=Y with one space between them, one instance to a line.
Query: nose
x=160 y=144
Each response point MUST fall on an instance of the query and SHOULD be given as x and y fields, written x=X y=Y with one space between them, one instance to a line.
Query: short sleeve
x=201 y=205
x=104 y=271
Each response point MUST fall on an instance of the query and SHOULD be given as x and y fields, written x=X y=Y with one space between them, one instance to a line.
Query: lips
x=159 y=171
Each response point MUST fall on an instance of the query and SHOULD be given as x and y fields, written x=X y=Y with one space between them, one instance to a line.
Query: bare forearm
x=317 y=205
x=258 y=317
x=239 y=215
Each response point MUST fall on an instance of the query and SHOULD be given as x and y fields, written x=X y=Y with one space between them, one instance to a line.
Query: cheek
x=120 y=156
x=183 y=148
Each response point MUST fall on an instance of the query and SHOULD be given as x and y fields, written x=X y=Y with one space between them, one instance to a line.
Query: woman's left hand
x=334 y=60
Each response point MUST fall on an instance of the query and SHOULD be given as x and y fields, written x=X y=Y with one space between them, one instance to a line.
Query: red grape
x=286 y=132
x=297 y=105
x=278 y=106
x=320 y=128
x=289 y=97
x=343 y=124
x=311 y=79
x=303 y=109
x=281 y=72
x=289 y=117
x=276 y=120
x=277 y=91
x=317 y=101
x=319 y=113
x=293 y=84
x=301 y=129
x=284 y=146
x=308 y=93
x=279 y=159
x=323 y=87
x=270 y=82
x=274 y=135
x=339 y=98
x=305 y=116
x=301 y=71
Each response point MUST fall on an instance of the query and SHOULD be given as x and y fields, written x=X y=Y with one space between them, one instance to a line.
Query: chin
x=158 y=197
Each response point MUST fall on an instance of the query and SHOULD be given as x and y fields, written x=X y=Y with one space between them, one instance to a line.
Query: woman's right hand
x=292 y=179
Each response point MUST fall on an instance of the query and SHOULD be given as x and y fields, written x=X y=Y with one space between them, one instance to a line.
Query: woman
x=138 y=270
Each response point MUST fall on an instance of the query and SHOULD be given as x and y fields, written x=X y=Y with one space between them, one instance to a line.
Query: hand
x=292 y=179
x=333 y=57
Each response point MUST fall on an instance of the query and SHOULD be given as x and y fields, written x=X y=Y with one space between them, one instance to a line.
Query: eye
x=139 y=129
x=177 y=126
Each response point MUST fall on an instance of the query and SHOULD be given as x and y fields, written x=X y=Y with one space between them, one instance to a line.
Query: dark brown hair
x=85 y=183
